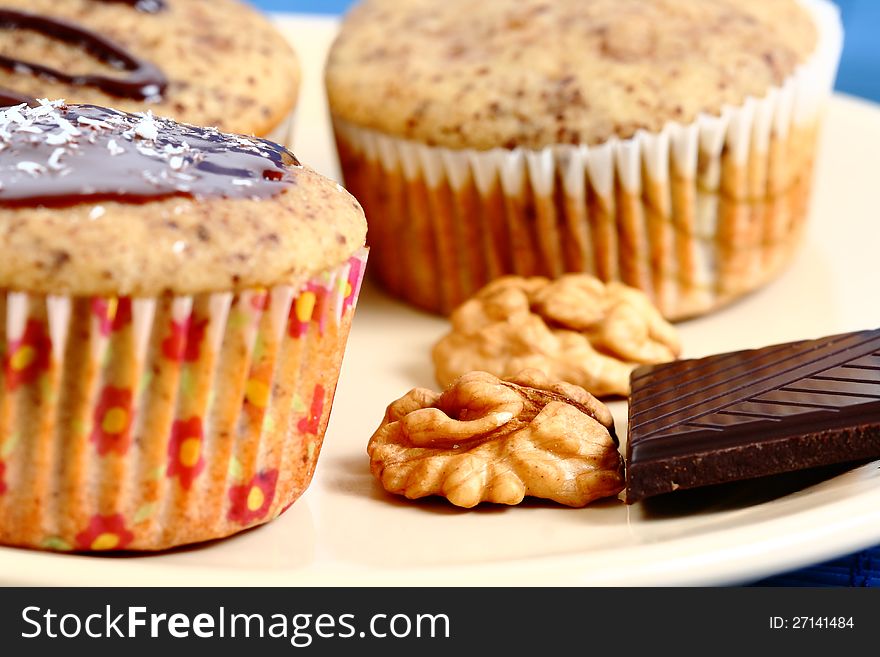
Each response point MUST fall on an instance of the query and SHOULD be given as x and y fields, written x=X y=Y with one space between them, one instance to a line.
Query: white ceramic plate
x=346 y=531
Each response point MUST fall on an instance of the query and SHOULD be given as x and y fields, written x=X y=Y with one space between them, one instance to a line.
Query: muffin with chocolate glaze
x=206 y=62
x=174 y=306
x=666 y=144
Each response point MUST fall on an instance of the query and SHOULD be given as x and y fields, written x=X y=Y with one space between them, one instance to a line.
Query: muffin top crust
x=533 y=73
x=225 y=64
x=96 y=201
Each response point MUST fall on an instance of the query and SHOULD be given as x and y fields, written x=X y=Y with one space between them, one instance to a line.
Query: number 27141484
x=811 y=622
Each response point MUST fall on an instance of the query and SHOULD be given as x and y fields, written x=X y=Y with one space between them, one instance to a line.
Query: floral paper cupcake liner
x=694 y=215
x=141 y=424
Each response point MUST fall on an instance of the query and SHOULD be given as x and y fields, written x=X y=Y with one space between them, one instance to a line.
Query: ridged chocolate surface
x=752 y=413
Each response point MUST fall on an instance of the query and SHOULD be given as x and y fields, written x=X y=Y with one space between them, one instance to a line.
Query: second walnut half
x=575 y=329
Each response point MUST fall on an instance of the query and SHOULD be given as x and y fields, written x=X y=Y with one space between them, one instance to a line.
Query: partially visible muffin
x=223 y=63
x=667 y=144
x=174 y=307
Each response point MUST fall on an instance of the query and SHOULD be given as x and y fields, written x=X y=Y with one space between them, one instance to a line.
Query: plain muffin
x=667 y=144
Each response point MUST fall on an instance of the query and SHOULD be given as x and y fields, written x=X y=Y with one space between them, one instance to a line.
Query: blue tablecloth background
x=860 y=76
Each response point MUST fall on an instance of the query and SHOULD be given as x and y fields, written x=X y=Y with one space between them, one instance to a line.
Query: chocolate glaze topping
x=56 y=154
x=144 y=79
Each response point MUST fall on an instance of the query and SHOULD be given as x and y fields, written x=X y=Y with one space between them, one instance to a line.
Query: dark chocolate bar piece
x=753 y=413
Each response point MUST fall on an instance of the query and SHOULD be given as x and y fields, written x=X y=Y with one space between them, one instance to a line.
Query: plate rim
x=658 y=563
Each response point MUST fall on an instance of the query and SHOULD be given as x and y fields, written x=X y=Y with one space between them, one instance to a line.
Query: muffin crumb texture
x=227 y=65
x=532 y=73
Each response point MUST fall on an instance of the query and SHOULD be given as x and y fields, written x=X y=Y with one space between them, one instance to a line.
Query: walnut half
x=575 y=328
x=486 y=439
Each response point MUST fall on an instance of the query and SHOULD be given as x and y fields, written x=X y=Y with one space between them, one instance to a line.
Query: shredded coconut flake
x=42 y=110
x=114 y=148
x=55 y=159
x=67 y=126
x=32 y=168
x=147 y=128
x=58 y=138
x=94 y=123
x=170 y=149
x=14 y=114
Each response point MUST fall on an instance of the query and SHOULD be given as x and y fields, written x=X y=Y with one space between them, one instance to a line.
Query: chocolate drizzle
x=144 y=79
x=59 y=155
